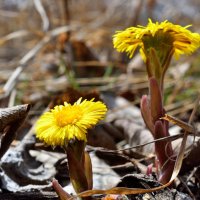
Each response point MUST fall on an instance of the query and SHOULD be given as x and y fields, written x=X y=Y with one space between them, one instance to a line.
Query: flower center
x=68 y=115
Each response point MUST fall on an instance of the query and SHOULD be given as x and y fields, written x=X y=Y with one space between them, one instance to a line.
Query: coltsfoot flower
x=66 y=122
x=164 y=37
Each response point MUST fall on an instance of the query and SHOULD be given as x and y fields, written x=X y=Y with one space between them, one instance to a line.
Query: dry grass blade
x=13 y=35
x=180 y=156
x=185 y=126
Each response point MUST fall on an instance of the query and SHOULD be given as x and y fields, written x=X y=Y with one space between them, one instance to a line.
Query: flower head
x=163 y=37
x=66 y=122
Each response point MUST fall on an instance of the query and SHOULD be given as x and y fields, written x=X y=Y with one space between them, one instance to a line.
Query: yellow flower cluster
x=159 y=36
x=66 y=122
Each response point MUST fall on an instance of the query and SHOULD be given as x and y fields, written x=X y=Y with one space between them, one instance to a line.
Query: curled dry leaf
x=10 y=120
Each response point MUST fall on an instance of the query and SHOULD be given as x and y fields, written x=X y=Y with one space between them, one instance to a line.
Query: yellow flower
x=66 y=122
x=163 y=37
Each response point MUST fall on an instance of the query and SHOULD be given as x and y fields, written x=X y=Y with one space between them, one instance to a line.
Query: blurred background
x=86 y=50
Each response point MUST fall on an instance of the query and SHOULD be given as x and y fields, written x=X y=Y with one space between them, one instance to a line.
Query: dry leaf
x=185 y=126
x=10 y=120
